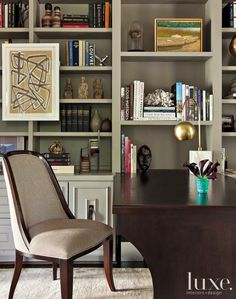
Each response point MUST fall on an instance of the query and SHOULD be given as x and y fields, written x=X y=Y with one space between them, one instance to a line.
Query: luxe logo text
x=207 y=286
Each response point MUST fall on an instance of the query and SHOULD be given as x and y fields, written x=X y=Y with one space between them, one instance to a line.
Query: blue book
x=199 y=103
x=71 y=52
x=86 y=53
x=177 y=91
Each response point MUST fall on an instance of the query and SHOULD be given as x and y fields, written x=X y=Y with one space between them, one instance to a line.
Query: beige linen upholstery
x=38 y=197
x=64 y=238
x=43 y=225
x=20 y=244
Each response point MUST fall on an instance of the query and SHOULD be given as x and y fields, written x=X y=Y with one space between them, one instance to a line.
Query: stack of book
x=80 y=53
x=10 y=14
x=75 y=117
x=189 y=99
x=159 y=105
x=128 y=155
x=60 y=163
x=229 y=15
x=132 y=99
x=75 y=21
x=100 y=15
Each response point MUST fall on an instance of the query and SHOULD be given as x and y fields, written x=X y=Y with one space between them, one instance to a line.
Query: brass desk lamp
x=186 y=131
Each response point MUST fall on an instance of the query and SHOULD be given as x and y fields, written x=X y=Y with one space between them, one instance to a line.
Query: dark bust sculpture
x=144 y=158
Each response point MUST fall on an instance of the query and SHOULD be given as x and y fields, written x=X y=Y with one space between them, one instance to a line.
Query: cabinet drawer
x=4 y=207
x=2 y=185
x=91 y=200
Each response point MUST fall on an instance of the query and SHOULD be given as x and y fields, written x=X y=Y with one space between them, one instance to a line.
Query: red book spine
x=75 y=26
x=107 y=14
x=1 y=19
x=127 y=155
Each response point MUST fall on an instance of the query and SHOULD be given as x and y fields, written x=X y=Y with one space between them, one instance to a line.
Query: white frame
x=6 y=83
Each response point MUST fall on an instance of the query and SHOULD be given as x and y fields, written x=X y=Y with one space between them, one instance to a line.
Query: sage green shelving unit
x=161 y=70
x=228 y=105
x=39 y=135
x=157 y=70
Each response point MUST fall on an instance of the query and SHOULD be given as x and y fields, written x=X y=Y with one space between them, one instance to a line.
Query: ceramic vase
x=106 y=125
x=95 y=123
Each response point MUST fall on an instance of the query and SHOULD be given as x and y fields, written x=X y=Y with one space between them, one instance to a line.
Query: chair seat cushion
x=65 y=238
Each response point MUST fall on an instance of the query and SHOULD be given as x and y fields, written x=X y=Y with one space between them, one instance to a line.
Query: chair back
x=33 y=192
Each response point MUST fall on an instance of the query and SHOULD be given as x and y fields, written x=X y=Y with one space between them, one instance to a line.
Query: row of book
x=229 y=15
x=192 y=102
x=184 y=103
x=80 y=53
x=132 y=101
x=11 y=14
x=75 y=21
x=100 y=15
x=128 y=155
x=57 y=159
x=75 y=117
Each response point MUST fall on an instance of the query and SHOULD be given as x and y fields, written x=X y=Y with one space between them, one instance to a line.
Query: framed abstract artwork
x=30 y=82
x=178 y=35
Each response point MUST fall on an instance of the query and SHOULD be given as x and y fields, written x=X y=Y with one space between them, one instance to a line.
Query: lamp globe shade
x=184 y=131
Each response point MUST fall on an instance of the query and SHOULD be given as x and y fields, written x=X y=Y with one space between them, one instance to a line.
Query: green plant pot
x=202 y=185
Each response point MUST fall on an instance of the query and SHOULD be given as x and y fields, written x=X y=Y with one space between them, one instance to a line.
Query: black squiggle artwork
x=31 y=83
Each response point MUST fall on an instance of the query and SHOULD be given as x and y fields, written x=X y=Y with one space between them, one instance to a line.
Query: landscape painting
x=30 y=84
x=178 y=35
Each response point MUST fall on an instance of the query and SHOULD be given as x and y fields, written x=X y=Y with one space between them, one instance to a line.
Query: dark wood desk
x=181 y=236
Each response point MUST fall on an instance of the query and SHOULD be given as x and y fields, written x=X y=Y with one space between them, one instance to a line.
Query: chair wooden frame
x=66 y=265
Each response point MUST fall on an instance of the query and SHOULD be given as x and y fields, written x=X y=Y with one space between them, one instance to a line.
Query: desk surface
x=178 y=232
x=170 y=188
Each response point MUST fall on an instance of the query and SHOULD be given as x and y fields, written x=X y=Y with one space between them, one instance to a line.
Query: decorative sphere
x=184 y=131
x=232 y=46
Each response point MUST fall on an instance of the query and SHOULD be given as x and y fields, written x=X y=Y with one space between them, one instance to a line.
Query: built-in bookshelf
x=228 y=104
x=40 y=135
x=162 y=70
x=157 y=69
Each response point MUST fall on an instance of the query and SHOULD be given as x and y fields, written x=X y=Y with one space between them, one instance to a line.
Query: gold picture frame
x=178 y=34
x=30 y=85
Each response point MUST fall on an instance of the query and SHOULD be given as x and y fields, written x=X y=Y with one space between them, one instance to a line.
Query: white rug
x=89 y=283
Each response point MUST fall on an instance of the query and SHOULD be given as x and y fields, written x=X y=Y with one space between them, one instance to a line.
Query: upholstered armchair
x=43 y=226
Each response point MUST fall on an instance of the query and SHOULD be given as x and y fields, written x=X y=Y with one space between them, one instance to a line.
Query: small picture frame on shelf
x=227 y=123
x=10 y=143
x=178 y=35
x=30 y=82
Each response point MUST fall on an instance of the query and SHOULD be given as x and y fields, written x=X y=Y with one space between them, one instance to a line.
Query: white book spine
x=223 y=158
x=122 y=103
x=141 y=99
x=204 y=105
x=138 y=100
x=134 y=159
x=80 y=53
x=131 y=158
x=135 y=99
x=83 y=52
x=183 y=101
x=186 y=102
x=211 y=104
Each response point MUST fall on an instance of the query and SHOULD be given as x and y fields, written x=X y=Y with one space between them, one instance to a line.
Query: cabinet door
x=64 y=188
x=91 y=200
x=4 y=208
x=7 y=248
